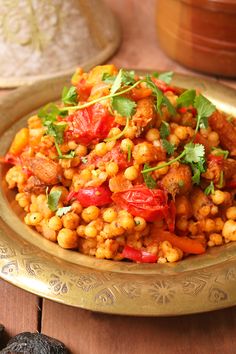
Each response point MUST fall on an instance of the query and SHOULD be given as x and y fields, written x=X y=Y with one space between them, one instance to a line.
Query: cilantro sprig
x=164 y=129
x=69 y=95
x=166 y=76
x=148 y=179
x=210 y=189
x=53 y=199
x=193 y=154
x=204 y=110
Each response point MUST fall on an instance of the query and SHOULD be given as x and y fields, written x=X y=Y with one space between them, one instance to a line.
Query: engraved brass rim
x=27 y=260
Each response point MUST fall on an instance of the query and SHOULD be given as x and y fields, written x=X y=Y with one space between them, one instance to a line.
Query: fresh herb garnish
x=107 y=78
x=124 y=106
x=53 y=200
x=117 y=83
x=63 y=211
x=84 y=159
x=118 y=136
x=164 y=130
x=170 y=148
x=186 y=99
x=221 y=181
x=69 y=95
x=204 y=110
x=210 y=189
x=166 y=76
x=57 y=131
x=148 y=179
x=220 y=152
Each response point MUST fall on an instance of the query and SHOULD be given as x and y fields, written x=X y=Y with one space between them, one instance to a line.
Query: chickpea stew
x=127 y=168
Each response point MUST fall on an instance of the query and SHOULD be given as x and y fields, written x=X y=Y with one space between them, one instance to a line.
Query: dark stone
x=34 y=343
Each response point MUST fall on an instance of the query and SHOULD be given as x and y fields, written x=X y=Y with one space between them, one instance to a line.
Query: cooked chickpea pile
x=83 y=182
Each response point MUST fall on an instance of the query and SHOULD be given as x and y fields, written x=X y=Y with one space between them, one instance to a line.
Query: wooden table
x=85 y=332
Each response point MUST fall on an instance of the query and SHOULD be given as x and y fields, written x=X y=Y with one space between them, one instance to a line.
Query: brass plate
x=27 y=260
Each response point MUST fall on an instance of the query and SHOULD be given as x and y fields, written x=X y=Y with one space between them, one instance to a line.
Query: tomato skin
x=183 y=110
x=88 y=196
x=138 y=255
x=139 y=200
x=217 y=159
x=163 y=86
x=89 y=125
x=83 y=90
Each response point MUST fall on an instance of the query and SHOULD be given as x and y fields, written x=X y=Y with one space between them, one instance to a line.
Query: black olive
x=34 y=343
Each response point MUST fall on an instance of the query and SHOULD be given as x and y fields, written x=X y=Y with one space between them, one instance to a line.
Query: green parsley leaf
x=194 y=152
x=164 y=129
x=186 y=99
x=53 y=200
x=166 y=77
x=69 y=95
x=124 y=106
x=170 y=148
x=210 y=189
x=57 y=131
x=117 y=83
x=148 y=179
x=63 y=211
x=204 y=110
x=220 y=152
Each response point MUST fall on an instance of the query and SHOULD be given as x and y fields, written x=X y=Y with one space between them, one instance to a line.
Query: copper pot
x=199 y=34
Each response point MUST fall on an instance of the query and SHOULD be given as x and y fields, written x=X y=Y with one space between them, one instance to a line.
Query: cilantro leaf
x=148 y=179
x=164 y=129
x=187 y=98
x=63 y=211
x=53 y=200
x=70 y=155
x=107 y=78
x=194 y=152
x=128 y=77
x=197 y=169
x=69 y=95
x=124 y=106
x=170 y=148
x=57 y=131
x=166 y=76
x=204 y=110
x=210 y=189
x=84 y=159
x=117 y=83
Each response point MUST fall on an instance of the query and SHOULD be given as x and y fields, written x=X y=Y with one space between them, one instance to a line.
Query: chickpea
x=181 y=132
x=100 y=149
x=67 y=238
x=113 y=132
x=116 y=229
x=112 y=169
x=131 y=173
x=213 y=138
x=183 y=206
x=215 y=240
x=81 y=230
x=72 y=145
x=173 y=139
x=48 y=233
x=90 y=213
x=55 y=223
x=231 y=213
x=126 y=145
x=63 y=190
x=127 y=222
x=90 y=231
x=152 y=134
x=70 y=221
x=76 y=207
x=219 y=224
x=131 y=132
x=162 y=171
x=86 y=175
x=140 y=223
x=205 y=210
x=23 y=200
x=110 y=145
x=33 y=219
x=218 y=197
x=69 y=173
x=209 y=225
x=109 y=215
x=229 y=230
x=182 y=224
x=81 y=150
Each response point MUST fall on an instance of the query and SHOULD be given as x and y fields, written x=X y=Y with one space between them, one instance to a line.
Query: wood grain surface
x=84 y=332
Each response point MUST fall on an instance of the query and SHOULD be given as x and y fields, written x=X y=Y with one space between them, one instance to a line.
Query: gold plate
x=27 y=260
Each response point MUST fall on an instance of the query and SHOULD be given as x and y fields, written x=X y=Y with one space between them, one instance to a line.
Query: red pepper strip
x=218 y=159
x=184 y=243
x=192 y=110
x=89 y=125
x=88 y=196
x=170 y=216
x=139 y=200
x=138 y=255
x=163 y=86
